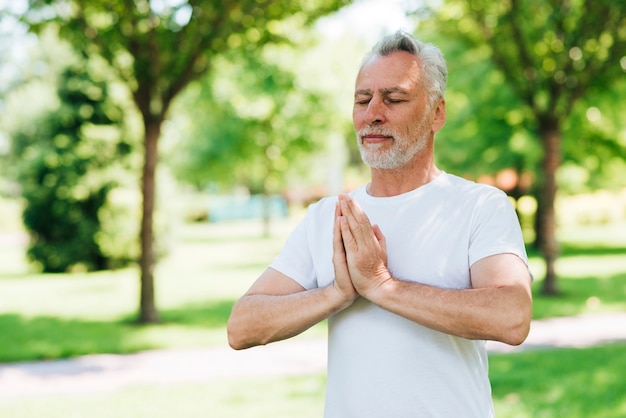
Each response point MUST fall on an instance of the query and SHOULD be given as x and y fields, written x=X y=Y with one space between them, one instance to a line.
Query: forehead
x=397 y=70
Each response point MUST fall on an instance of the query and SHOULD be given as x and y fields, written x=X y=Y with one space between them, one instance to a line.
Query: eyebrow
x=384 y=91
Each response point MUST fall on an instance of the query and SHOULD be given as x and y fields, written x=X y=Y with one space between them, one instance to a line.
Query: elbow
x=517 y=326
x=236 y=337
x=237 y=341
x=516 y=336
x=237 y=345
x=234 y=341
x=241 y=336
x=236 y=330
x=244 y=330
x=517 y=330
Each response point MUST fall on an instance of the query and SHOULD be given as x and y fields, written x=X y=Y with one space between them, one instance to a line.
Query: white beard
x=402 y=150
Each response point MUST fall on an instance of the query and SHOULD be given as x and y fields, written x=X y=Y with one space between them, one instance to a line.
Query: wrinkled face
x=391 y=114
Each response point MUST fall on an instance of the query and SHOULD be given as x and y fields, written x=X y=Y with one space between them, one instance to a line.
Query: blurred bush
x=67 y=164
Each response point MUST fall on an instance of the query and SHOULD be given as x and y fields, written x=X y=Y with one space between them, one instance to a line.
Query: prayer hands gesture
x=359 y=252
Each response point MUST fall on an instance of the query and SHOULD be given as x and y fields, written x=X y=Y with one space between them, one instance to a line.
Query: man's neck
x=386 y=183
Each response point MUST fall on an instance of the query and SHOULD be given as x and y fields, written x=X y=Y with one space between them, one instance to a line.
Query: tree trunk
x=546 y=215
x=147 y=306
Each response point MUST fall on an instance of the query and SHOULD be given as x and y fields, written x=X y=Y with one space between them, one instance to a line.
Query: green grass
x=591 y=269
x=572 y=383
x=207 y=268
x=65 y=315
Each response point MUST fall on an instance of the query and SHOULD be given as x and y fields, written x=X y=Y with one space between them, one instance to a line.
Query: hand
x=343 y=283
x=364 y=247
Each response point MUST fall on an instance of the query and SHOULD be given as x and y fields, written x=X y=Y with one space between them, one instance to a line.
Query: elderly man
x=414 y=270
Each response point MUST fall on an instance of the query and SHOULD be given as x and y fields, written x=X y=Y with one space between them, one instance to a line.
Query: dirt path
x=103 y=372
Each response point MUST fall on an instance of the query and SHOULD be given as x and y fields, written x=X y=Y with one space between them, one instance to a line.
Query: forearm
x=259 y=319
x=489 y=313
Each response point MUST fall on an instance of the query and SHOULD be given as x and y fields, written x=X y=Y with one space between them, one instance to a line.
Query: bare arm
x=497 y=307
x=277 y=307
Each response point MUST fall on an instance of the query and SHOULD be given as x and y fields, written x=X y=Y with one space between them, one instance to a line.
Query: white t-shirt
x=380 y=364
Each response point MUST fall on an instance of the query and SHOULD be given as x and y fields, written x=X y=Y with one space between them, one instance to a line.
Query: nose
x=375 y=114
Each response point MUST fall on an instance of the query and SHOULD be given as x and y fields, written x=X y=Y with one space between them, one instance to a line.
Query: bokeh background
x=154 y=156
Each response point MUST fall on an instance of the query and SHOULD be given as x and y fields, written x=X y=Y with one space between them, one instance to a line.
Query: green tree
x=61 y=163
x=485 y=134
x=594 y=146
x=550 y=54
x=247 y=132
x=157 y=49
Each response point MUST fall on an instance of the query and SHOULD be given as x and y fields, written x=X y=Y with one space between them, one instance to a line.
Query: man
x=414 y=270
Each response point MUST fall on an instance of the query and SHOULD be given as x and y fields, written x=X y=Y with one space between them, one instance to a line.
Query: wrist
x=338 y=298
x=385 y=287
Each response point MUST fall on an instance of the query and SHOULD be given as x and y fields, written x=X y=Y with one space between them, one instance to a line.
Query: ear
x=439 y=115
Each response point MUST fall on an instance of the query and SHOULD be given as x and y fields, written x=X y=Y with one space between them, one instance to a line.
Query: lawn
x=63 y=315
x=567 y=383
x=209 y=265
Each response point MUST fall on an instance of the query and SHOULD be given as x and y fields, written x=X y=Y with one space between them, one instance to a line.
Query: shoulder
x=320 y=214
x=322 y=206
x=327 y=204
x=462 y=186
x=469 y=194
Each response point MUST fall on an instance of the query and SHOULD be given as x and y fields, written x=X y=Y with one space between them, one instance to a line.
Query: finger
x=382 y=242
x=349 y=206
x=379 y=236
x=338 y=246
x=358 y=221
x=338 y=207
x=343 y=281
x=349 y=243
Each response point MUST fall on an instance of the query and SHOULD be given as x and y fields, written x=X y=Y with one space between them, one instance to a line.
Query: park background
x=249 y=102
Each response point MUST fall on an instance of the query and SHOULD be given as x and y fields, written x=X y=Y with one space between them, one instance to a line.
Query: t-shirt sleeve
x=496 y=229
x=294 y=260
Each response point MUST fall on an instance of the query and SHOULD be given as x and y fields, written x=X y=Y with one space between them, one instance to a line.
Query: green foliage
x=117 y=235
x=594 y=147
x=157 y=49
x=63 y=165
x=550 y=56
x=246 y=126
x=514 y=63
x=551 y=53
x=486 y=130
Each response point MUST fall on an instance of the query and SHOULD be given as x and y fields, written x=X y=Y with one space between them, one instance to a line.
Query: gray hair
x=432 y=62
